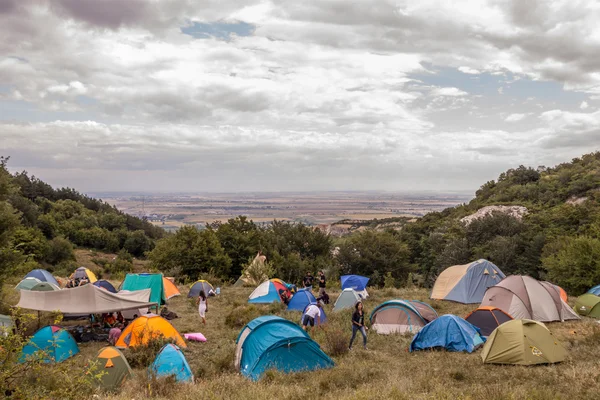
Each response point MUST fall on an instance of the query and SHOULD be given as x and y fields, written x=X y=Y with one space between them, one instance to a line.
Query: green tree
x=138 y=243
x=195 y=252
x=240 y=237
x=573 y=263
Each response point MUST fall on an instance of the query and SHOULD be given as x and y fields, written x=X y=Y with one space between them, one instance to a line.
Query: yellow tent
x=147 y=327
x=83 y=272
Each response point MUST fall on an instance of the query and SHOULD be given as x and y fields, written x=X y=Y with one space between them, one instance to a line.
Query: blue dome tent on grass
x=42 y=275
x=105 y=285
x=271 y=342
x=51 y=343
x=449 y=332
x=356 y=282
x=171 y=361
x=301 y=299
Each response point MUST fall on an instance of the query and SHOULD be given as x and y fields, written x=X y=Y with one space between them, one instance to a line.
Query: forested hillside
x=40 y=226
x=556 y=238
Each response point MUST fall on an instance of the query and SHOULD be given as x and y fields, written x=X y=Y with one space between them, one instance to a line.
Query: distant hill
x=40 y=226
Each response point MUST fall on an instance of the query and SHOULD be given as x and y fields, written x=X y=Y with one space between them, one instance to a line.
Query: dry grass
x=386 y=371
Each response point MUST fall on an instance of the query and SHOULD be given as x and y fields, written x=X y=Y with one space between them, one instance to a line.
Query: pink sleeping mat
x=195 y=337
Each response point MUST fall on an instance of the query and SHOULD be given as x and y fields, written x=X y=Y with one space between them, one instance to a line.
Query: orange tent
x=147 y=327
x=170 y=289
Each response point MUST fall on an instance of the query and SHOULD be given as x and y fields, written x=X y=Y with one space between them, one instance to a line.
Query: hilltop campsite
x=445 y=296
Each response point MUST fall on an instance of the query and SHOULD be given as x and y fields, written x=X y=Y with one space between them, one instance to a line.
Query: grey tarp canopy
x=87 y=299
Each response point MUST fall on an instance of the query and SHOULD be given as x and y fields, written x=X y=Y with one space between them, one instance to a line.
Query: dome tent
x=449 y=332
x=170 y=289
x=27 y=283
x=399 y=316
x=487 y=319
x=466 y=283
x=322 y=315
x=271 y=342
x=595 y=290
x=83 y=272
x=522 y=342
x=301 y=300
x=105 y=285
x=44 y=287
x=269 y=292
x=42 y=275
x=356 y=282
x=171 y=361
x=588 y=305
x=51 y=343
x=523 y=297
x=114 y=368
x=148 y=326
x=347 y=299
x=199 y=286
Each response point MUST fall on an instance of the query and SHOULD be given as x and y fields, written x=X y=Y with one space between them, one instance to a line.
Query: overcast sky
x=238 y=95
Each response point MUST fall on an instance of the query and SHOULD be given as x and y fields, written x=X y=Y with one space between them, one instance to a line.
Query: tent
x=105 y=285
x=561 y=291
x=595 y=290
x=86 y=299
x=587 y=305
x=301 y=299
x=170 y=288
x=449 y=332
x=347 y=299
x=42 y=275
x=268 y=292
x=170 y=361
x=51 y=344
x=487 y=319
x=522 y=342
x=271 y=342
x=83 y=272
x=147 y=327
x=201 y=285
x=400 y=316
x=523 y=297
x=113 y=367
x=27 y=283
x=44 y=287
x=154 y=282
x=323 y=318
x=245 y=279
x=356 y=282
x=466 y=283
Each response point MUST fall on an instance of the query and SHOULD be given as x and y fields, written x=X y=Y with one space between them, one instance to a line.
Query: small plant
x=389 y=282
x=141 y=356
x=336 y=342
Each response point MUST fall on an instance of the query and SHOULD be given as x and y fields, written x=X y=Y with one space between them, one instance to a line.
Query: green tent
x=44 y=287
x=522 y=342
x=154 y=282
x=113 y=367
x=587 y=305
x=27 y=283
x=348 y=298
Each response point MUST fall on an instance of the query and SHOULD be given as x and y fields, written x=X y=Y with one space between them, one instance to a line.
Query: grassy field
x=386 y=371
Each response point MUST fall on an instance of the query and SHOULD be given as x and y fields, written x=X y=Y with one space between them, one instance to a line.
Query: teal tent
x=154 y=282
x=52 y=344
x=271 y=342
x=171 y=361
x=27 y=283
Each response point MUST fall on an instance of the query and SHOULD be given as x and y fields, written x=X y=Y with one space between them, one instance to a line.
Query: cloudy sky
x=238 y=95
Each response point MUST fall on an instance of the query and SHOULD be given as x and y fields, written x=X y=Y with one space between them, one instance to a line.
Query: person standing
x=358 y=324
x=202 y=305
x=322 y=284
x=312 y=311
x=114 y=334
x=308 y=280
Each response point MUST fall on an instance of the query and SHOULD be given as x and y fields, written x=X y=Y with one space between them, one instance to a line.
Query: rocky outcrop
x=517 y=212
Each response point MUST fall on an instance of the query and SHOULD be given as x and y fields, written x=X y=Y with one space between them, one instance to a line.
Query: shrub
x=389 y=282
x=59 y=249
x=336 y=341
x=241 y=315
x=142 y=356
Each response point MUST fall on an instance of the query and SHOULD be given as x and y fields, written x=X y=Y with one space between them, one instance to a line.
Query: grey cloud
x=106 y=13
x=570 y=139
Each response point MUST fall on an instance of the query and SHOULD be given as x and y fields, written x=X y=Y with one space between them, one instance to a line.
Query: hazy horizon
x=264 y=96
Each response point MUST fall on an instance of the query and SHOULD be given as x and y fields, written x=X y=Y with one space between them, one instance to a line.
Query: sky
x=244 y=95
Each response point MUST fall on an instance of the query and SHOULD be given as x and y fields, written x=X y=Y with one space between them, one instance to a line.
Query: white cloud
x=515 y=117
x=469 y=70
x=584 y=105
x=448 y=91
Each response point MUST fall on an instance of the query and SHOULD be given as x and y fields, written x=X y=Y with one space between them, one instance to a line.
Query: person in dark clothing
x=284 y=296
x=308 y=280
x=358 y=324
x=322 y=283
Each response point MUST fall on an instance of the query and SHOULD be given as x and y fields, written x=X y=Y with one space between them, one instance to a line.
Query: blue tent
x=450 y=332
x=42 y=275
x=321 y=312
x=53 y=343
x=271 y=342
x=171 y=361
x=595 y=290
x=270 y=292
x=301 y=299
x=466 y=283
x=105 y=285
x=355 y=282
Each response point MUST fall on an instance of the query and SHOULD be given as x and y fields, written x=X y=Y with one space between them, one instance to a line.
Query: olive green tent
x=27 y=283
x=113 y=367
x=522 y=342
x=588 y=305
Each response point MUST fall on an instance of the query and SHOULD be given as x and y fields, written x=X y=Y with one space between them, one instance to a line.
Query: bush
x=389 y=282
x=143 y=355
x=59 y=250
x=241 y=315
x=336 y=341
